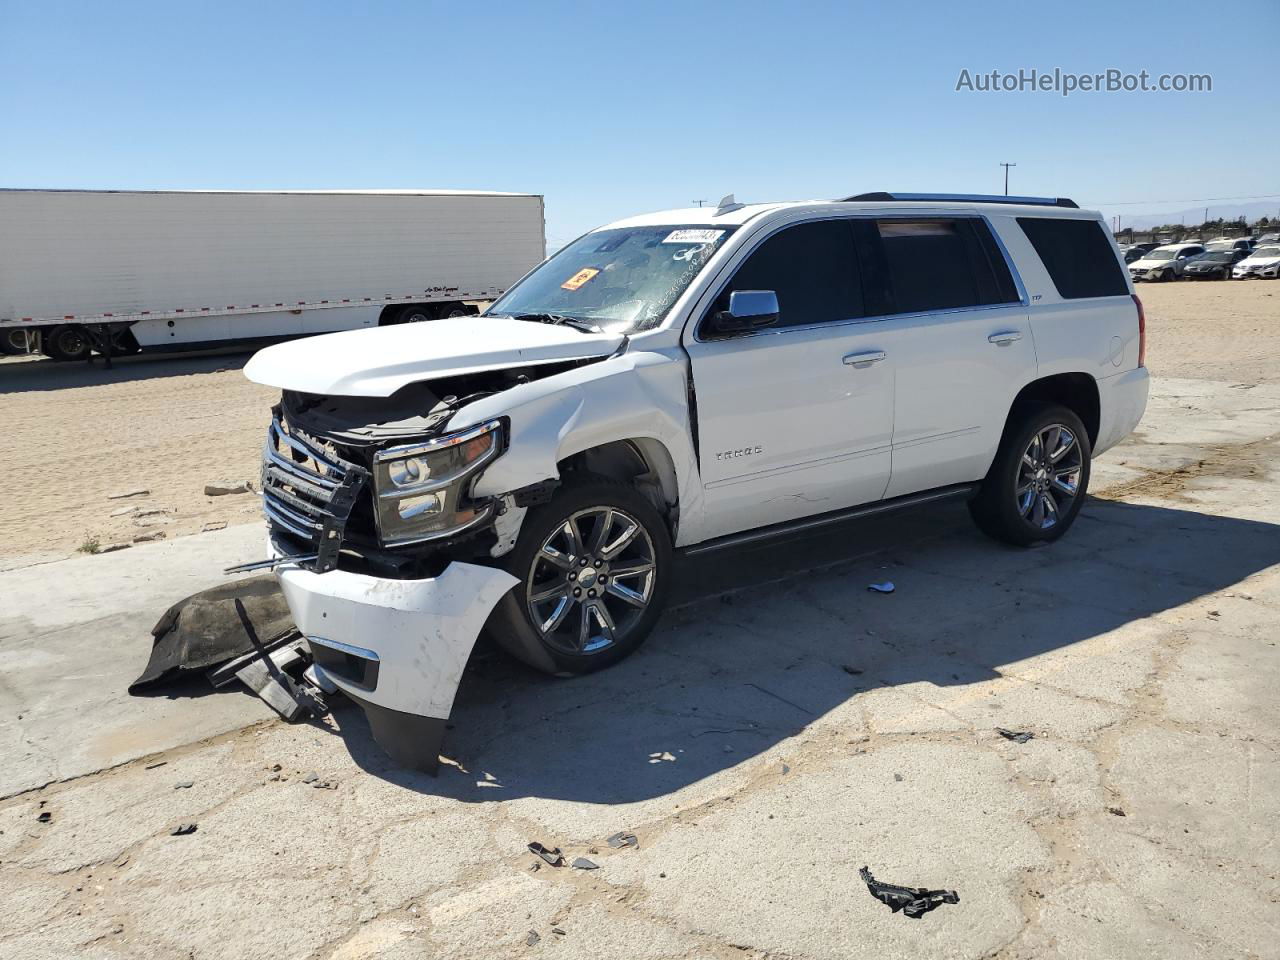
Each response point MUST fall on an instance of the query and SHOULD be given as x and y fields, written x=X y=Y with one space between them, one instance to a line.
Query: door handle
x=858 y=359
x=1005 y=337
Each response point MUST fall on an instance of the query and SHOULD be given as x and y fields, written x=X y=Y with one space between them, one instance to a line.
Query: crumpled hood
x=378 y=362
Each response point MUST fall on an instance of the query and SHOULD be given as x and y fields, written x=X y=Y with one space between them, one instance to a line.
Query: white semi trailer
x=119 y=271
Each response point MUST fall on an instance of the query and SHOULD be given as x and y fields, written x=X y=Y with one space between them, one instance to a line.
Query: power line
x=1125 y=203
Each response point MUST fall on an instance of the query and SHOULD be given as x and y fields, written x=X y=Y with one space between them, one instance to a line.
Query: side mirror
x=748 y=310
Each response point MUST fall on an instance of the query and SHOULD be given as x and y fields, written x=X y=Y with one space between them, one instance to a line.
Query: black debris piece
x=582 y=863
x=897 y=777
x=1017 y=736
x=44 y=817
x=552 y=856
x=623 y=839
x=914 y=902
x=532 y=938
x=205 y=629
x=557 y=931
x=1116 y=811
x=182 y=829
x=158 y=763
x=852 y=671
x=184 y=785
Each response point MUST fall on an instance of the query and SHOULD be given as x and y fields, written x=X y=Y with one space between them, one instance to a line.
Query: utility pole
x=1006 y=176
x=699 y=202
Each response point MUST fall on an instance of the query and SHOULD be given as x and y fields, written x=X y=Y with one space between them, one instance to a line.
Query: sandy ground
x=75 y=434
x=782 y=728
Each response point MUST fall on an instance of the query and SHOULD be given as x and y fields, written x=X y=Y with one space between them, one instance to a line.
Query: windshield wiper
x=560 y=319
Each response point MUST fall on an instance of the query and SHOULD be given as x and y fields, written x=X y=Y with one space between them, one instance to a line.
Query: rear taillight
x=1142 y=333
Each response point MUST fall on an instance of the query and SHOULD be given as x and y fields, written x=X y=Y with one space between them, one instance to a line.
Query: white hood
x=378 y=362
x=1254 y=261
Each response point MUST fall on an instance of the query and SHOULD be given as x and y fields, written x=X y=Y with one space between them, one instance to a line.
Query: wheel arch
x=643 y=461
x=1077 y=392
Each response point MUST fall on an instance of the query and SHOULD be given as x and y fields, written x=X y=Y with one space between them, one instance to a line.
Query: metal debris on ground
x=582 y=863
x=182 y=829
x=1017 y=736
x=532 y=938
x=622 y=839
x=886 y=587
x=914 y=902
x=552 y=856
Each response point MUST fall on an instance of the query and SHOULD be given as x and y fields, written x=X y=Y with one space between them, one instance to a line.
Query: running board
x=793 y=527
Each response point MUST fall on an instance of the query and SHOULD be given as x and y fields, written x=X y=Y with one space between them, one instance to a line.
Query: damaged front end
x=384 y=553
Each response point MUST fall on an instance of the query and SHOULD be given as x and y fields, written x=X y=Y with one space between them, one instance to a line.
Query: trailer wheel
x=70 y=342
x=416 y=313
x=455 y=310
x=13 y=341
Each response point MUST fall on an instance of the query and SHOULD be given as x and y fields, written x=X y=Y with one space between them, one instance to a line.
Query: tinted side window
x=1078 y=255
x=939 y=264
x=812 y=269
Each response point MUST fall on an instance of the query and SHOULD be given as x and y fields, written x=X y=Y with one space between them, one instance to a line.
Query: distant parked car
x=1229 y=243
x=1164 y=263
x=1269 y=238
x=1213 y=264
x=1263 y=262
x=1137 y=251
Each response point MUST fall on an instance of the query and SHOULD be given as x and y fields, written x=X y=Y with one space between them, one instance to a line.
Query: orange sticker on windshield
x=579 y=278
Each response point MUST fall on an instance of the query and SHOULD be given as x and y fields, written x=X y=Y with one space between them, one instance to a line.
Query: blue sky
x=610 y=109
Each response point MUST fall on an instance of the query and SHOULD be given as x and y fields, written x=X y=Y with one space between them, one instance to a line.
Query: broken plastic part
x=582 y=863
x=886 y=587
x=621 y=839
x=914 y=902
x=552 y=856
x=1017 y=736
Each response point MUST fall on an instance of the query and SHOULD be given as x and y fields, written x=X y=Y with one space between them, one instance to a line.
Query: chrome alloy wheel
x=591 y=580
x=1048 y=476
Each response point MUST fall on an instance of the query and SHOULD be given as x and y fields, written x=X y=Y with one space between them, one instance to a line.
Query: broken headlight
x=421 y=489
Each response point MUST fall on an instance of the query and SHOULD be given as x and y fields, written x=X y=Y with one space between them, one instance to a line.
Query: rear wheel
x=455 y=310
x=1039 y=478
x=67 y=343
x=593 y=566
x=13 y=341
x=415 y=313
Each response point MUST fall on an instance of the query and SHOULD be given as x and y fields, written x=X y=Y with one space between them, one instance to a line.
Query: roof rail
x=883 y=197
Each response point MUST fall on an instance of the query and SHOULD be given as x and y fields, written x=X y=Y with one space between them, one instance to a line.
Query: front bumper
x=395 y=647
x=1260 y=273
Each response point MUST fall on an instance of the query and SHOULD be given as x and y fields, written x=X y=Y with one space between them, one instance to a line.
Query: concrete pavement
x=766 y=743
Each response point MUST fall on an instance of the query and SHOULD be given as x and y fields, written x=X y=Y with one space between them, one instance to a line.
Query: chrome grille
x=307 y=490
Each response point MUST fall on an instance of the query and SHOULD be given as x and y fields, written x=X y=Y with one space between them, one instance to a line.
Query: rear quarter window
x=1078 y=256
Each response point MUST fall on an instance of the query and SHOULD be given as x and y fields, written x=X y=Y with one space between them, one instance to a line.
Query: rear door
x=962 y=347
x=795 y=419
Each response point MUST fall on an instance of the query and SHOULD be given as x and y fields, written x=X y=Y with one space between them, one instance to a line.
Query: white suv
x=686 y=380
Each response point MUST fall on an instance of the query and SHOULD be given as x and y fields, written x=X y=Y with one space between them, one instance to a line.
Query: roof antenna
x=727 y=205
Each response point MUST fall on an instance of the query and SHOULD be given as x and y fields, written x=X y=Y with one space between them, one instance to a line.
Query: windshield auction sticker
x=579 y=278
x=693 y=236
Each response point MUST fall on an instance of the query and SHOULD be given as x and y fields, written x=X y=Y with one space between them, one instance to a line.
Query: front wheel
x=593 y=566
x=1039 y=478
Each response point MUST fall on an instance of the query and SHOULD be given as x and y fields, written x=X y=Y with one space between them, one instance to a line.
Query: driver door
x=795 y=419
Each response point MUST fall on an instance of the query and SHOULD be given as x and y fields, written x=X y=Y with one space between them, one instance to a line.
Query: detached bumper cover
x=396 y=647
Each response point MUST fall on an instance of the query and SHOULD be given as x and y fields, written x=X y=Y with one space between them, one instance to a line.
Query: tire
x=1002 y=509
x=1167 y=276
x=631 y=603
x=415 y=313
x=454 y=310
x=70 y=342
x=13 y=341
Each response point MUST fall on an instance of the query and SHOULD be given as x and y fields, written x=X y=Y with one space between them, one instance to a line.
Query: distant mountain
x=1250 y=210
